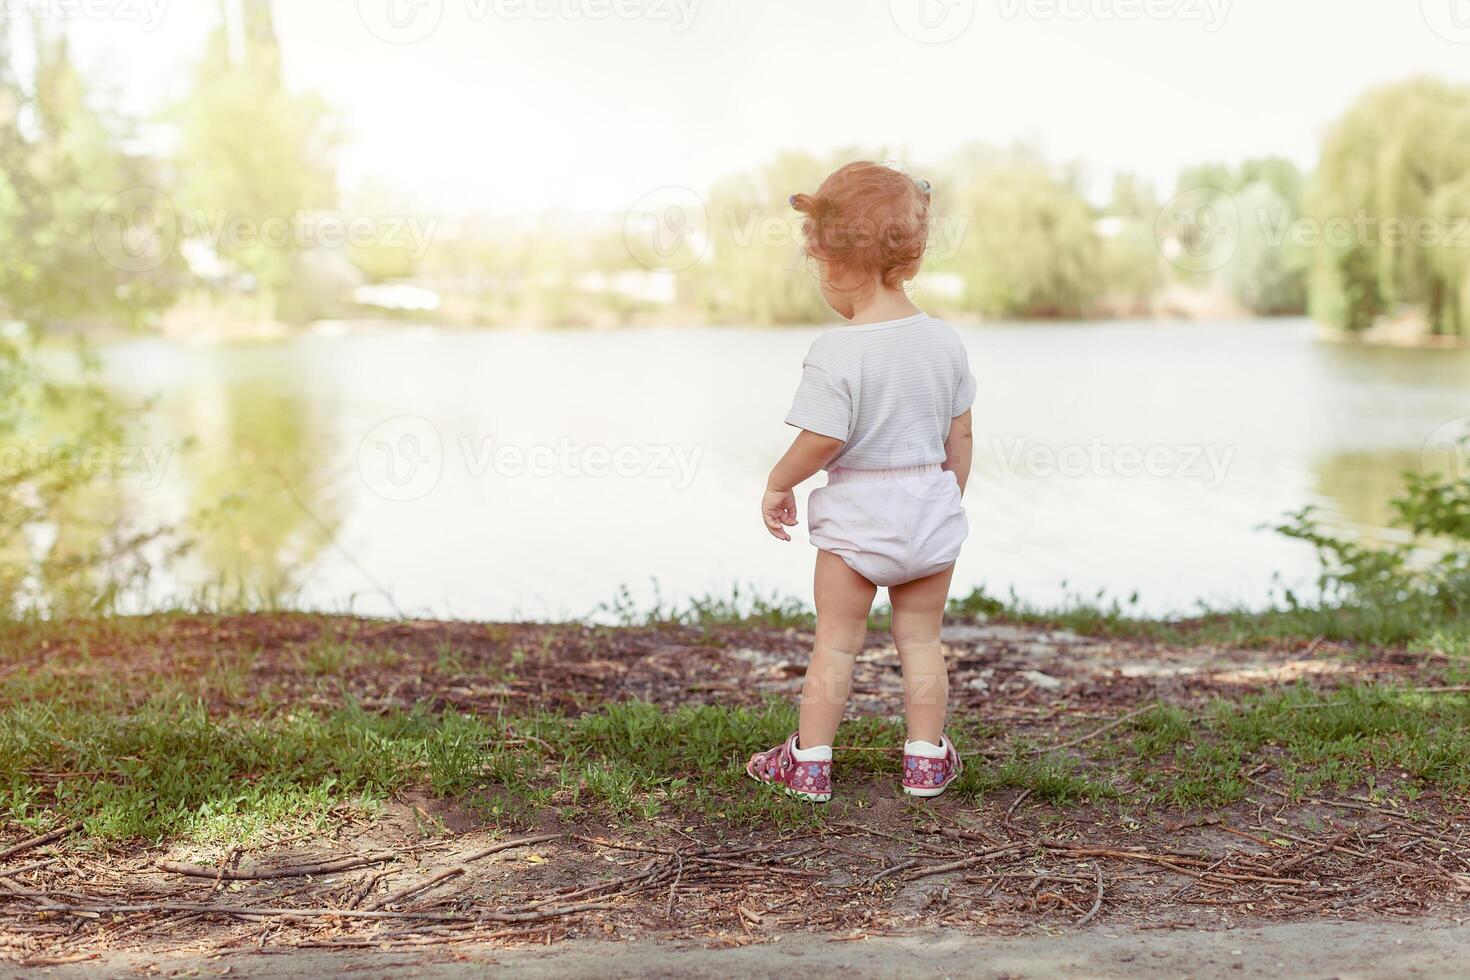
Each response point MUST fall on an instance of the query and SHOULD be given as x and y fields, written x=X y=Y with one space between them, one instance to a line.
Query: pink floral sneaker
x=808 y=777
x=928 y=769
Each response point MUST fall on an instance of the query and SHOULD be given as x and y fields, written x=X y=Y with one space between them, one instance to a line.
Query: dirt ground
x=1002 y=887
x=1318 y=949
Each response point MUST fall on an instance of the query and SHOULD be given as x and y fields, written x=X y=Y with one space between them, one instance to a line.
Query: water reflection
x=249 y=480
x=275 y=475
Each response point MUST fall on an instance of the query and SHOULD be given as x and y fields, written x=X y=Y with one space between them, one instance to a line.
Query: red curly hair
x=867 y=220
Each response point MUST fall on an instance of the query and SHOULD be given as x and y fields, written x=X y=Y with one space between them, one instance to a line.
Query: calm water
x=498 y=474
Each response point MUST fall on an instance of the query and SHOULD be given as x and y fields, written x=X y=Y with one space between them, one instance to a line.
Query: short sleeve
x=821 y=405
x=964 y=393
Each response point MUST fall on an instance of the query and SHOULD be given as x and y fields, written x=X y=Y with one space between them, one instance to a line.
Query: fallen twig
x=971 y=861
x=59 y=960
x=418 y=888
x=37 y=841
x=34 y=866
x=678 y=875
x=1096 y=732
x=1015 y=803
x=507 y=845
x=263 y=874
x=1187 y=866
x=247 y=911
x=900 y=866
x=1097 y=902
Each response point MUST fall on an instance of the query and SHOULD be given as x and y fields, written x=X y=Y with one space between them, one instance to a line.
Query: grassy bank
x=1416 y=626
x=1413 y=626
x=170 y=769
x=220 y=728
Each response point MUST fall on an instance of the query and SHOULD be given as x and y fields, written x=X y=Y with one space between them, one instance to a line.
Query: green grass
x=1421 y=629
x=741 y=608
x=1414 y=626
x=1054 y=779
x=169 y=769
x=87 y=681
x=1355 y=737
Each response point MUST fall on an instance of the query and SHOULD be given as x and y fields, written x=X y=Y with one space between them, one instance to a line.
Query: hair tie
x=924 y=186
x=791 y=200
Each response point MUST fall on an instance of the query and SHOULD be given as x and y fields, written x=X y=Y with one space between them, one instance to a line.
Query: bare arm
x=809 y=452
x=959 y=447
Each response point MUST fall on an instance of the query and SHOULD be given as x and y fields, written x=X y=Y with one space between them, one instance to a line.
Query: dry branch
x=263 y=874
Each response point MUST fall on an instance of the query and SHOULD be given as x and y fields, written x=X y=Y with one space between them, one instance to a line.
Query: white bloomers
x=890 y=526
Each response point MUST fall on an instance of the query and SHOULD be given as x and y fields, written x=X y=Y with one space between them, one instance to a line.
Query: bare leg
x=918 y=613
x=844 y=599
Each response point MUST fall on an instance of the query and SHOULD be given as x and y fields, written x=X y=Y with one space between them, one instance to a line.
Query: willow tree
x=752 y=269
x=1258 y=260
x=1390 y=198
x=1029 y=246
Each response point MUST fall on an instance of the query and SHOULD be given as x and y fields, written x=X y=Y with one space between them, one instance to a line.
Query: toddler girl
x=884 y=407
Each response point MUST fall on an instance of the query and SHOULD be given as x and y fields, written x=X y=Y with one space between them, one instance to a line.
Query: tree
x=66 y=544
x=1390 y=195
x=1030 y=247
x=1248 y=215
x=753 y=269
x=64 y=185
x=1268 y=272
x=1131 y=265
x=255 y=159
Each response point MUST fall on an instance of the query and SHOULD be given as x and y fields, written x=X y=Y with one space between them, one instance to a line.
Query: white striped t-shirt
x=888 y=390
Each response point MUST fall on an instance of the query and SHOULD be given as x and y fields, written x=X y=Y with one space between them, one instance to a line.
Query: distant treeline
x=96 y=234
x=1379 y=232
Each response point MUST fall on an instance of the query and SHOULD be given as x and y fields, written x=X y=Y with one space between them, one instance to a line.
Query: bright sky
x=521 y=105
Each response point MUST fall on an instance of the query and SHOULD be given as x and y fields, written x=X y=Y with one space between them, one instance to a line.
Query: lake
x=498 y=474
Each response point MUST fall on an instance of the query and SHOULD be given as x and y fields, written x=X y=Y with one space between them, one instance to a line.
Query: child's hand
x=778 y=508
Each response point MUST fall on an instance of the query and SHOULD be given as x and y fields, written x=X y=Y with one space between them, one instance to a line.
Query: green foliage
x=255 y=157
x=171 y=768
x=747 y=607
x=1341 y=739
x=1052 y=778
x=742 y=607
x=756 y=272
x=91 y=233
x=1029 y=247
x=148 y=760
x=1015 y=230
x=1131 y=266
x=1400 y=153
x=66 y=546
x=1250 y=214
x=1435 y=512
x=1269 y=271
x=61 y=171
x=1415 y=592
